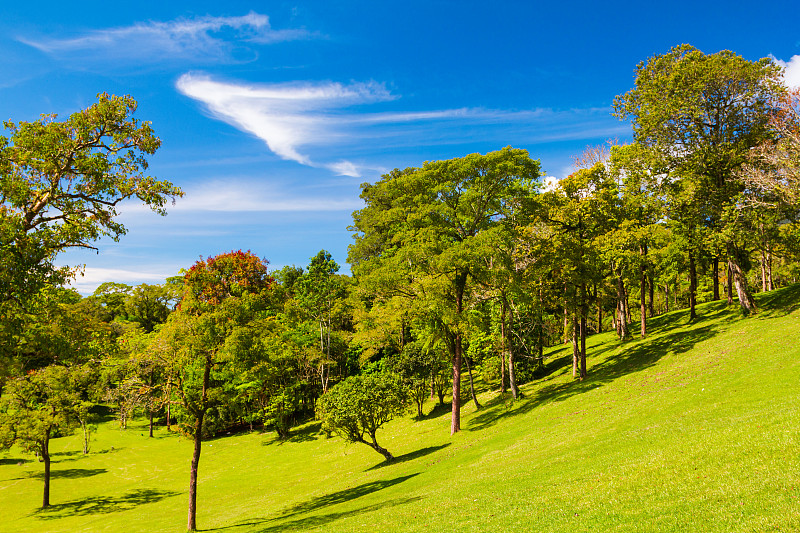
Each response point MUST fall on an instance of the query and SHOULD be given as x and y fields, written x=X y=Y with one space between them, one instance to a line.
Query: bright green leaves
x=61 y=183
x=360 y=405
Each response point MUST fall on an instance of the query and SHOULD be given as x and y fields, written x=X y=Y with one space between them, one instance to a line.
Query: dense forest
x=462 y=270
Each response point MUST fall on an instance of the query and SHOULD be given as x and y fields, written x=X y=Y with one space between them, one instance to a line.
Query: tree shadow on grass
x=422 y=452
x=103 y=504
x=636 y=357
x=306 y=433
x=13 y=461
x=310 y=522
x=438 y=410
x=68 y=473
x=780 y=302
x=341 y=496
x=322 y=502
x=304 y=524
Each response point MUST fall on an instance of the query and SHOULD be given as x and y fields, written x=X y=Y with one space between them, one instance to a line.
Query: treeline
x=469 y=267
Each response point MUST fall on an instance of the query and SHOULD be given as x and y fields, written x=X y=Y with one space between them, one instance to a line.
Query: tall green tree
x=419 y=234
x=61 y=183
x=703 y=114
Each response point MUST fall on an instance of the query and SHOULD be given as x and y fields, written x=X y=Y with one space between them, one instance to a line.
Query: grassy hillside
x=695 y=428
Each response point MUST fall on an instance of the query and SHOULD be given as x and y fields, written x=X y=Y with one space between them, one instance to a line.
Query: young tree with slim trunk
x=578 y=211
x=34 y=408
x=222 y=297
x=703 y=114
x=420 y=232
x=317 y=292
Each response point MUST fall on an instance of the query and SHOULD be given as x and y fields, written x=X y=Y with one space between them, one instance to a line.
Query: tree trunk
x=512 y=378
x=169 y=412
x=503 y=372
x=151 y=423
x=642 y=292
x=622 y=317
x=503 y=344
x=566 y=316
x=746 y=301
x=583 y=345
x=46 y=458
x=85 y=428
x=666 y=297
x=198 y=441
x=771 y=285
x=575 y=352
x=455 y=417
x=472 y=385
x=729 y=285
x=692 y=287
x=378 y=448
x=763 y=272
x=715 y=264
x=599 y=311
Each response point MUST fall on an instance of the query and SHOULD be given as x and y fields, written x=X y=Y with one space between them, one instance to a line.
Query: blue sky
x=272 y=114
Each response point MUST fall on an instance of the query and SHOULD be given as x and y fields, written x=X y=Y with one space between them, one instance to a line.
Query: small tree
x=34 y=408
x=360 y=405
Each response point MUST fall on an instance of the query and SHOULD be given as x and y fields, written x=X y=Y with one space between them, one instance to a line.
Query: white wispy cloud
x=285 y=116
x=240 y=196
x=226 y=196
x=791 y=73
x=293 y=118
x=199 y=38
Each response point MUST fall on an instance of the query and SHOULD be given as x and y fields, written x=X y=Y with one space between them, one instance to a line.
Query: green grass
x=693 y=429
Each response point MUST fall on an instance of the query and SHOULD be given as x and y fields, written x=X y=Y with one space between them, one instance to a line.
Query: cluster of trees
x=467 y=267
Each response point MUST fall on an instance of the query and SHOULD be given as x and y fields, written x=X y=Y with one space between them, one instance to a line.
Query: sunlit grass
x=693 y=429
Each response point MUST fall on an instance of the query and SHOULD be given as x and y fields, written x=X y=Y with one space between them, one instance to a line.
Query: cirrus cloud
x=197 y=39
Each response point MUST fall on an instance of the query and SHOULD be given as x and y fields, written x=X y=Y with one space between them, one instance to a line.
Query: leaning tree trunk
x=746 y=301
x=198 y=441
x=378 y=448
x=472 y=385
x=715 y=274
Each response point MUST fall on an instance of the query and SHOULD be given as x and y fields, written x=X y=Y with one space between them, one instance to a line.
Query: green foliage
x=60 y=184
x=360 y=405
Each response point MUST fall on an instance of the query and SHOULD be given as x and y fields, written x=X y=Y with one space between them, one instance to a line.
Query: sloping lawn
x=694 y=428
